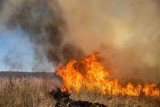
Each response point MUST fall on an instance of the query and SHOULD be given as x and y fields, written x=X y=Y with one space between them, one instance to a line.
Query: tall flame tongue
x=90 y=73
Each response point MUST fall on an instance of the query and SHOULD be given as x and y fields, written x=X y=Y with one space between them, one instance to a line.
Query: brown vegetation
x=116 y=101
x=34 y=92
x=26 y=92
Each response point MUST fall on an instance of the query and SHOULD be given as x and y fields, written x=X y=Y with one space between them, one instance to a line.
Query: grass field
x=34 y=92
x=27 y=92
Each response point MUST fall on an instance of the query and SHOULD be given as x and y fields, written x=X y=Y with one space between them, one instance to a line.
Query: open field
x=27 y=92
x=34 y=92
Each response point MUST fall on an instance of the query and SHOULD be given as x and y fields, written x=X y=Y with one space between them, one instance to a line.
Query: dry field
x=34 y=92
x=27 y=92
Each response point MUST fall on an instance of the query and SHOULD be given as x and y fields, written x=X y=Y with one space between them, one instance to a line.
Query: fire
x=91 y=74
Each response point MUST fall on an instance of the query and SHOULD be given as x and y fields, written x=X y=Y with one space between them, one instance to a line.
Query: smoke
x=12 y=64
x=43 y=22
x=125 y=32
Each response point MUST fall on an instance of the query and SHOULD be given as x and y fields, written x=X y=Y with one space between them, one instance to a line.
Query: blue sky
x=18 y=48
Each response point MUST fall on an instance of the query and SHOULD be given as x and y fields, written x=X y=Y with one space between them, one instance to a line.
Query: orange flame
x=90 y=73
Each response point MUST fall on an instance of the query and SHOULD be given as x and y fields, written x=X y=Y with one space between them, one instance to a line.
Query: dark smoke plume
x=126 y=32
x=45 y=26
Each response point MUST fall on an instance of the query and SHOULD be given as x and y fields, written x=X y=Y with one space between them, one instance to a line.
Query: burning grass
x=90 y=72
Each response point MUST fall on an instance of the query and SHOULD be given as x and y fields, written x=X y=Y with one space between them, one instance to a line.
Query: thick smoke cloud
x=125 y=32
x=45 y=26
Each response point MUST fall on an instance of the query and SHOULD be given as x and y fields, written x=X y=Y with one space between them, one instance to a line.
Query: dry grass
x=116 y=101
x=33 y=92
x=24 y=93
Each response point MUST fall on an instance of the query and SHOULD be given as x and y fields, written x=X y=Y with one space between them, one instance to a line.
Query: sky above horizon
x=16 y=51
